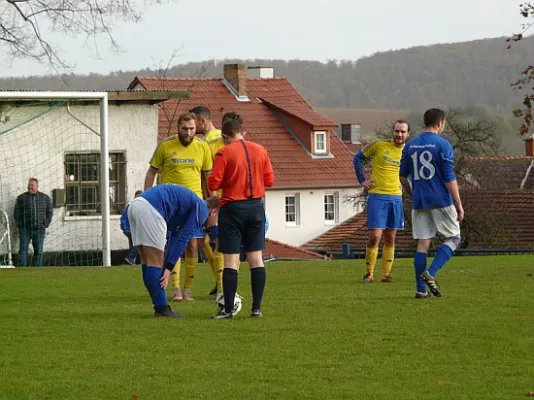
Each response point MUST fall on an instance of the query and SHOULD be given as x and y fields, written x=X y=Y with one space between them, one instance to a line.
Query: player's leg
x=376 y=223
x=388 y=254
x=211 y=249
x=394 y=222
x=424 y=230
x=448 y=226
x=176 y=292
x=149 y=234
x=218 y=259
x=191 y=262
x=253 y=245
x=230 y=228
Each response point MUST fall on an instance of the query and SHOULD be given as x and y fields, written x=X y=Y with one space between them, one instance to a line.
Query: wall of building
x=37 y=149
x=312 y=222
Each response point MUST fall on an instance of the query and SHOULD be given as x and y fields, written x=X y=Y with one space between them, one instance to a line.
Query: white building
x=57 y=144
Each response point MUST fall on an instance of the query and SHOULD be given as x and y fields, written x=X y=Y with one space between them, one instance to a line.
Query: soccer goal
x=59 y=139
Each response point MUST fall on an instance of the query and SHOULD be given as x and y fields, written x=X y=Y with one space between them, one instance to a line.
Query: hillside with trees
x=448 y=75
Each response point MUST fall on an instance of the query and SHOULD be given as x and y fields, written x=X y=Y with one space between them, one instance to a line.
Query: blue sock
x=443 y=255
x=151 y=277
x=419 y=262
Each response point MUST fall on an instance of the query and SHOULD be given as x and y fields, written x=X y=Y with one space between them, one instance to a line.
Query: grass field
x=88 y=333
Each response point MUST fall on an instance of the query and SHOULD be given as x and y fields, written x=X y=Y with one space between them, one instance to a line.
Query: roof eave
x=293 y=187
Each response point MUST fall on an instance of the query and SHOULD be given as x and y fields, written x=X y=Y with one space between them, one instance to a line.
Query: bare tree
x=170 y=110
x=526 y=10
x=26 y=26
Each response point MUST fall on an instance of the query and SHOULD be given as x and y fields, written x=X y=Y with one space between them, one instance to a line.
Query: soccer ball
x=237 y=303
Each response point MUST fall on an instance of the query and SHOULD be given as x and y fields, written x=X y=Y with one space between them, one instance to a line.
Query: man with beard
x=182 y=160
x=384 y=205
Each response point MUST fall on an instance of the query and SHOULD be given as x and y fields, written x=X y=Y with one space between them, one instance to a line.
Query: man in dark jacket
x=33 y=214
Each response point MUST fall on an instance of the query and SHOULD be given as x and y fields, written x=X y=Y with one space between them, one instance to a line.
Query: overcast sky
x=285 y=29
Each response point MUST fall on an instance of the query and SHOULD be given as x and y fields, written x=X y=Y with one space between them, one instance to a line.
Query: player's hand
x=368 y=184
x=164 y=281
x=460 y=212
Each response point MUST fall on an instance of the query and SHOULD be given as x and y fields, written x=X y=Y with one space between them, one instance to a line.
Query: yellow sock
x=370 y=259
x=217 y=268
x=175 y=274
x=190 y=267
x=388 y=255
x=208 y=252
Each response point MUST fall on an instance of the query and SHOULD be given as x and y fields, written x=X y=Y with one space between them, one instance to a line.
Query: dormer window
x=319 y=142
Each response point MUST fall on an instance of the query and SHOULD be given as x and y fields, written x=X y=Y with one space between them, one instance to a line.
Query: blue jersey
x=428 y=161
x=184 y=212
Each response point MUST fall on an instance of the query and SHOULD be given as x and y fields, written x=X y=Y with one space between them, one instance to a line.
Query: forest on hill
x=475 y=73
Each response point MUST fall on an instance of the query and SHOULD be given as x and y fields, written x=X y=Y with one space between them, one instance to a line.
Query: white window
x=292 y=211
x=320 y=142
x=331 y=208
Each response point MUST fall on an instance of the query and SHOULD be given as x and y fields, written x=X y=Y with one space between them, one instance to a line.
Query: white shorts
x=427 y=223
x=147 y=225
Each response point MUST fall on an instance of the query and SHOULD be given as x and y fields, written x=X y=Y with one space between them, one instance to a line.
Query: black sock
x=229 y=288
x=257 y=281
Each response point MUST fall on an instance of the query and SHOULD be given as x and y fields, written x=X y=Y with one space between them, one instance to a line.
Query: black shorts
x=242 y=223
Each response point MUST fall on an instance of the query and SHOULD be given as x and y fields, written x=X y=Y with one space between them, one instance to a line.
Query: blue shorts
x=384 y=212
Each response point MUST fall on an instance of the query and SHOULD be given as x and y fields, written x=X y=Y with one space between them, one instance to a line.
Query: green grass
x=88 y=333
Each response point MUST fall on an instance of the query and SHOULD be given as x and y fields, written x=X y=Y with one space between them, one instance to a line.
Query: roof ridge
x=177 y=78
x=499 y=157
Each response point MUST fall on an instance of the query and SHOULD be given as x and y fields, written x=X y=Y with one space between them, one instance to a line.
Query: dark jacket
x=33 y=211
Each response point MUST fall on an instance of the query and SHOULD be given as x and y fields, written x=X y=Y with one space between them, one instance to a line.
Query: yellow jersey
x=386 y=156
x=213 y=135
x=182 y=165
x=215 y=142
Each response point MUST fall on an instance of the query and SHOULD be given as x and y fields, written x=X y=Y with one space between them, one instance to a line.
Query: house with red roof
x=313 y=167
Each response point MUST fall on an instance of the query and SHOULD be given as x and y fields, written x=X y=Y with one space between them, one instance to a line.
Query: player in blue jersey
x=161 y=209
x=427 y=174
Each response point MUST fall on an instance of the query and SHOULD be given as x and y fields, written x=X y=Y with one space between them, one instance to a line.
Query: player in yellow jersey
x=384 y=204
x=182 y=160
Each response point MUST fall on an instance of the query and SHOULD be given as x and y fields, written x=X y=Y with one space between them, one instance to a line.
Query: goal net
x=51 y=179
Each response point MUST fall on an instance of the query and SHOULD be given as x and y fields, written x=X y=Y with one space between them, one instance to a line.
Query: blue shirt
x=183 y=211
x=428 y=161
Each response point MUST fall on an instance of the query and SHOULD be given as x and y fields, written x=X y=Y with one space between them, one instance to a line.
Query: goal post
x=37 y=130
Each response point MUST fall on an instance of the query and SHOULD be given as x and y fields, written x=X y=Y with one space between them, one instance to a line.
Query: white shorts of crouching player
x=426 y=224
x=147 y=225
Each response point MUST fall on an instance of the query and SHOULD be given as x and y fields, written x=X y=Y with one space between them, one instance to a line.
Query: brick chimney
x=529 y=146
x=236 y=75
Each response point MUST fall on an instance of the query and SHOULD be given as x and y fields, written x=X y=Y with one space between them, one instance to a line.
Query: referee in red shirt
x=242 y=170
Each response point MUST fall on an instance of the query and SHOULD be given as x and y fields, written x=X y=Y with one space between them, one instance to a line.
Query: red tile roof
x=499 y=172
x=292 y=163
x=285 y=251
x=494 y=219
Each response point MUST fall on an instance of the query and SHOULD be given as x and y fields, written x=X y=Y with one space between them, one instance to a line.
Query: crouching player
x=161 y=209
x=428 y=160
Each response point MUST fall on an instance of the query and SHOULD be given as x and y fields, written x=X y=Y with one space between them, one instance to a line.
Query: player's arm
x=178 y=241
x=207 y=166
x=217 y=173
x=447 y=171
x=155 y=164
x=149 y=177
x=359 y=165
x=404 y=173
